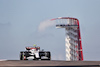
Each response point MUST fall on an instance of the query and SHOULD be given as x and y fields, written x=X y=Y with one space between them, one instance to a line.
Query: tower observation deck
x=73 y=45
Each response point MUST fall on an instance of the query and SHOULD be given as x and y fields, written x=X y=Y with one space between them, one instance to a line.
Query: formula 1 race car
x=34 y=53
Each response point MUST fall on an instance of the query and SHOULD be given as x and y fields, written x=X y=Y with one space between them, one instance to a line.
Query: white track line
x=3 y=59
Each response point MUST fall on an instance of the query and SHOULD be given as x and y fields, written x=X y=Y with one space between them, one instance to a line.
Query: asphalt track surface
x=45 y=63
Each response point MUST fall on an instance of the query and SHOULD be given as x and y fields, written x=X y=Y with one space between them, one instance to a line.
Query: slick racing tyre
x=49 y=56
x=21 y=55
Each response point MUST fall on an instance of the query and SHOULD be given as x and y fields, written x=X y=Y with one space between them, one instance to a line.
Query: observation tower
x=73 y=45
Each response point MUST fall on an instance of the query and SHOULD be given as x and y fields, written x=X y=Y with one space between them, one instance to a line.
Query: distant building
x=73 y=43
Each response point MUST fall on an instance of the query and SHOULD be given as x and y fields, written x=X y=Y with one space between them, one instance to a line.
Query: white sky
x=19 y=21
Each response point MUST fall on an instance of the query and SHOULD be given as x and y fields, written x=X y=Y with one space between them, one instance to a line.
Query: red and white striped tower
x=73 y=37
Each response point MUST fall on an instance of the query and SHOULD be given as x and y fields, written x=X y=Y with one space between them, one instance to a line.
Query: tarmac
x=46 y=63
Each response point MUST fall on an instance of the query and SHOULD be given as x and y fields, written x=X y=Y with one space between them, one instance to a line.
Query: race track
x=46 y=63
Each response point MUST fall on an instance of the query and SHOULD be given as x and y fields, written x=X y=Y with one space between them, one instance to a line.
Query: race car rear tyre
x=21 y=56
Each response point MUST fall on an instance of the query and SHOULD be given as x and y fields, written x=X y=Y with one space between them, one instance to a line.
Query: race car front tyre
x=49 y=56
x=46 y=54
x=21 y=55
